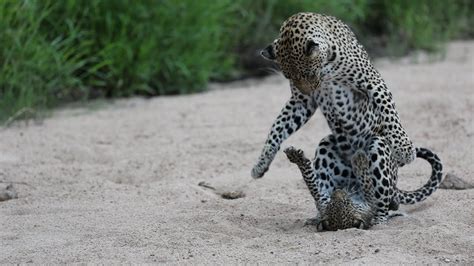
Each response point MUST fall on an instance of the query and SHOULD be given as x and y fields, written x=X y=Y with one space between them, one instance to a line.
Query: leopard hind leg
x=382 y=170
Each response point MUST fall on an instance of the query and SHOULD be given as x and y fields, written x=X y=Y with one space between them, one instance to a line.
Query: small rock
x=233 y=195
x=377 y=250
x=451 y=181
x=8 y=193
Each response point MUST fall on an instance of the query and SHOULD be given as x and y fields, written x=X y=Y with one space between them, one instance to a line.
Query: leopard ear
x=311 y=47
x=268 y=53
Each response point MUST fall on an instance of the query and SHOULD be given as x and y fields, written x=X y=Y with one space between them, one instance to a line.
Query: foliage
x=421 y=24
x=60 y=51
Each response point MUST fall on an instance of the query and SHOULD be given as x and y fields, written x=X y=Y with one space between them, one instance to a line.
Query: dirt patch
x=234 y=194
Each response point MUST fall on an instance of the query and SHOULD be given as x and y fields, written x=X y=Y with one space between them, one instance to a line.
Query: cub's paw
x=295 y=155
x=316 y=222
x=380 y=219
x=360 y=163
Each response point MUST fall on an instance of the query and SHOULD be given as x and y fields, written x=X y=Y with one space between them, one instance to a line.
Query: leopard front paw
x=258 y=171
x=264 y=161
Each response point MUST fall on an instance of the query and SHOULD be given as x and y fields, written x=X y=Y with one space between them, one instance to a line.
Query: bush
x=147 y=47
x=34 y=71
x=59 y=51
x=421 y=24
x=56 y=51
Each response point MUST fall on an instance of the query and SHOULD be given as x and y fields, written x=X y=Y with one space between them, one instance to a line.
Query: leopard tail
x=411 y=197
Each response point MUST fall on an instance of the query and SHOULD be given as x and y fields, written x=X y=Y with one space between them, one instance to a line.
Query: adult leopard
x=328 y=69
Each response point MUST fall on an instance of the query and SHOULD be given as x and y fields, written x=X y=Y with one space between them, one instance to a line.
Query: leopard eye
x=311 y=46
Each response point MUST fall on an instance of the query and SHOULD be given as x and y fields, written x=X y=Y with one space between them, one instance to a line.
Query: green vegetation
x=53 y=52
x=422 y=24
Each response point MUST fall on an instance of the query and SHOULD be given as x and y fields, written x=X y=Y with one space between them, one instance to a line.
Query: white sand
x=119 y=184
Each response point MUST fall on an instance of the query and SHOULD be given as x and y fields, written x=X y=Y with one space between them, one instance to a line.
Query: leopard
x=355 y=205
x=328 y=69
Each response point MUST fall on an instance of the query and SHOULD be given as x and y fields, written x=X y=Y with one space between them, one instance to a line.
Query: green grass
x=53 y=52
x=148 y=47
x=34 y=71
x=421 y=24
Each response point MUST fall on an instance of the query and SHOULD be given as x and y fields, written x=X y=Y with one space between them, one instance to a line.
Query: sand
x=119 y=183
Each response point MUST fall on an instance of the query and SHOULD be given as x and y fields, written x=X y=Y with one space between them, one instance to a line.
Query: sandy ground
x=120 y=183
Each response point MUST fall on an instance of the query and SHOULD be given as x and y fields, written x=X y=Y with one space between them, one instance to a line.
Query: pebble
x=8 y=193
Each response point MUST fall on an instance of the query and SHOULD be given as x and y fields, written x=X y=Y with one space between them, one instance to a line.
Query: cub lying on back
x=355 y=204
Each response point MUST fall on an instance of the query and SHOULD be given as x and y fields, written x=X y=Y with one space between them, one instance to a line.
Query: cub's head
x=346 y=210
x=301 y=50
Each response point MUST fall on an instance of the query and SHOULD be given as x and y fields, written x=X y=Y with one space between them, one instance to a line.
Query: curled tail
x=411 y=197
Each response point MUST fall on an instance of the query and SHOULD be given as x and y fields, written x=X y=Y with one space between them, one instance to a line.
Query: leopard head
x=301 y=51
